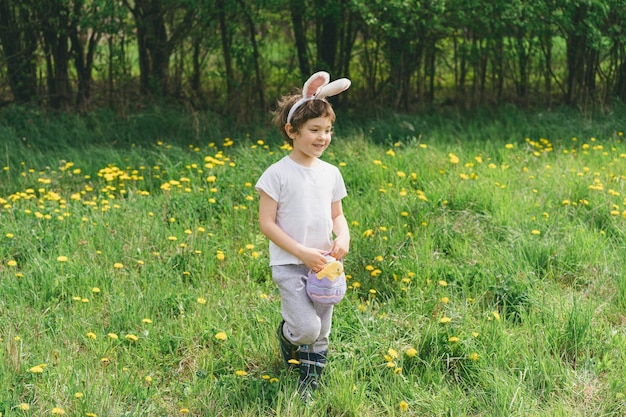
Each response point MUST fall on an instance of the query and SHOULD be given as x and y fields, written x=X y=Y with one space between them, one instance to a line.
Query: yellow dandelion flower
x=172 y=238
x=131 y=337
x=24 y=407
x=496 y=315
x=11 y=263
x=118 y=265
x=62 y=258
x=10 y=236
x=445 y=300
x=148 y=379
x=473 y=356
x=184 y=410
x=411 y=352
x=95 y=290
x=220 y=255
x=221 y=336
x=392 y=353
x=36 y=369
x=397 y=371
x=241 y=373
x=201 y=300
x=293 y=362
x=535 y=232
x=146 y=321
x=404 y=406
x=78 y=395
x=91 y=335
x=112 y=336
x=445 y=320
x=443 y=283
x=105 y=360
x=453 y=339
x=58 y=411
x=91 y=415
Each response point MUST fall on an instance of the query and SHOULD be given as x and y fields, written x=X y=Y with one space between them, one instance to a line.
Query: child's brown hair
x=310 y=109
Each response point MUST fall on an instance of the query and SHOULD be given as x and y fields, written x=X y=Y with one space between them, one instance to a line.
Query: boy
x=299 y=211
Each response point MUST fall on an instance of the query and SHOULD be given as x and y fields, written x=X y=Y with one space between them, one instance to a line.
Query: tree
x=161 y=26
x=18 y=36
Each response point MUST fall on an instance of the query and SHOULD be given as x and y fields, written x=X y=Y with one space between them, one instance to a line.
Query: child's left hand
x=340 y=248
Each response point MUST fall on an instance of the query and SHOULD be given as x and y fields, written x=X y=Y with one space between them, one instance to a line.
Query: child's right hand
x=314 y=259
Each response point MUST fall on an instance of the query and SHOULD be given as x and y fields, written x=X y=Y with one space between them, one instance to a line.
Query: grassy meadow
x=486 y=273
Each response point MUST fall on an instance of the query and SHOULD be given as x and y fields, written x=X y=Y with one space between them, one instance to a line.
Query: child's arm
x=341 y=244
x=312 y=258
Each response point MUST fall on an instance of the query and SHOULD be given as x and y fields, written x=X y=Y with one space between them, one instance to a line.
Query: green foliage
x=485 y=272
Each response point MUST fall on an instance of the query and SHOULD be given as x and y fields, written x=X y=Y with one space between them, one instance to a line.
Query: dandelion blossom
x=221 y=336
x=62 y=258
x=112 y=336
x=24 y=407
x=445 y=320
x=411 y=352
x=118 y=265
x=241 y=373
x=36 y=369
x=91 y=335
x=11 y=263
x=58 y=411
x=392 y=353
x=404 y=406
x=131 y=337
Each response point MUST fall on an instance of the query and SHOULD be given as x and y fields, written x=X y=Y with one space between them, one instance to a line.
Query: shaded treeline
x=236 y=56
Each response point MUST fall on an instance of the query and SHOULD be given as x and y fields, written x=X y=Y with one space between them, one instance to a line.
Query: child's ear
x=290 y=130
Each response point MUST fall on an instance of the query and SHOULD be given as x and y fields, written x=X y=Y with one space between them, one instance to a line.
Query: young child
x=299 y=211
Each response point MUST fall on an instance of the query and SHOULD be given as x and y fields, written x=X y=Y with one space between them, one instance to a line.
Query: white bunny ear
x=333 y=88
x=314 y=83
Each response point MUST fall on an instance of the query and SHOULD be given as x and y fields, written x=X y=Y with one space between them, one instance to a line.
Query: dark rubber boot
x=311 y=368
x=287 y=349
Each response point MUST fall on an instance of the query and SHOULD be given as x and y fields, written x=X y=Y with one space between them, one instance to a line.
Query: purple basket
x=327 y=286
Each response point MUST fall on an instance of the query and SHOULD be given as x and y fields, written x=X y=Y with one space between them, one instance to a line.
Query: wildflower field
x=486 y=274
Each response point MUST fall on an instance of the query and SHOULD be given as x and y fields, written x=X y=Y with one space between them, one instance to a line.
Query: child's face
x=312 y=139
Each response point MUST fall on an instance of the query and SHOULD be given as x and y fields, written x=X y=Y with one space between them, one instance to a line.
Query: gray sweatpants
x=306 y=322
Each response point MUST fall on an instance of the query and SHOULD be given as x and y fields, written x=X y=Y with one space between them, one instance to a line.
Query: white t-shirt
x=304 y=196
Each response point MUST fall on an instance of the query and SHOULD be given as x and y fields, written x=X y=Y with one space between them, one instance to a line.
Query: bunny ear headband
x=317 y=87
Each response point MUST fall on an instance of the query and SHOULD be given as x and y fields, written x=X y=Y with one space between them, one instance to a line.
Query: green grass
x=490 y=249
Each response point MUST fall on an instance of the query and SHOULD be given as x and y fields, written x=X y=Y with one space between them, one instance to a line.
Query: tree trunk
x=226 y=51
x=19 y=43
x=83 y=55
x=259 y=87
x=296 y=8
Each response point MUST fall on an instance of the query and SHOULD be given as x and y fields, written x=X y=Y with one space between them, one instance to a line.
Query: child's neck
x=304 y=160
